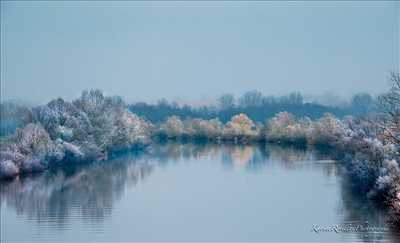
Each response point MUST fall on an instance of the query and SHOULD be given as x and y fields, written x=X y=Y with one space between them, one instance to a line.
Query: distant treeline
x=256 y=106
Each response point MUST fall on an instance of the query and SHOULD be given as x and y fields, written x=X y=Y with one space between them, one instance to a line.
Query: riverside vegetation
x=95 y=126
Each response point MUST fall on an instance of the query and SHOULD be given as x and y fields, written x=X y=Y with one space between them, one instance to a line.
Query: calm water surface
x=189 y=193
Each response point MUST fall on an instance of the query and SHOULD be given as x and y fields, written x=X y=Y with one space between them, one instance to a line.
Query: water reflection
x=245 y=156
x=358 y=210
x=89 y=192
x=92 y=189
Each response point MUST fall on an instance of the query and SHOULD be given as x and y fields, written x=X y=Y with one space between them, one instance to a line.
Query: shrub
x=200 y=129
x=172 y=128
x=387 y=185
x=239 y=129
x=327 y=131
x=284 y=128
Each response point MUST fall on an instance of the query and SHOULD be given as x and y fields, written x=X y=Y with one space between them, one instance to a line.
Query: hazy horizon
x=196 y=50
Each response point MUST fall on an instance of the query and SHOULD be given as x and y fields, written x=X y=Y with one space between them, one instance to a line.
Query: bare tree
x=390 y=104
x=251 y=98
x=226 y=101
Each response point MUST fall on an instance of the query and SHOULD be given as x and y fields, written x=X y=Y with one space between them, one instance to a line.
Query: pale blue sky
x=145 y=51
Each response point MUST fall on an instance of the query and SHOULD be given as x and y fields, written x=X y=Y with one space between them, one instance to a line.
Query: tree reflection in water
x=90 y=191
x=358 y=210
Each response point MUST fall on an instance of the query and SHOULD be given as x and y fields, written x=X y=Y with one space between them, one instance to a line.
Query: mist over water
x=189 y=192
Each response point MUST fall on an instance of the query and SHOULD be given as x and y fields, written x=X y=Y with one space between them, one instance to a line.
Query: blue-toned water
x=190 y=193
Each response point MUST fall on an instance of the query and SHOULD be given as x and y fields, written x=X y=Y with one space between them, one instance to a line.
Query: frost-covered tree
x=200 y=129
x=129 y=129
x=102 y=112
x=26 y=151
x=64 y=120
x=33 y=139
x=240 y=127
x=362 y=128
x=285 y=128
x=387 y=186
x=113 y=126
x=87 y=129
x=327 y=131
x=172 y=128
x=390 y=103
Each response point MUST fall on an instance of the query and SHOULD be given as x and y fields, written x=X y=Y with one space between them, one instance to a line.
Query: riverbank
x=95 y=126
x=361 y=145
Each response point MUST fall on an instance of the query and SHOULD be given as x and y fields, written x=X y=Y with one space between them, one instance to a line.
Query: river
x=189 y=192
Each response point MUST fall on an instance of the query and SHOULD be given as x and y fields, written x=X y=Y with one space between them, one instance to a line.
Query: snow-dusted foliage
x=128 y=129
x=63 y=120
x=86 y=129
x=201 y=129
x=371 y=161
x=370 y=158
x=390 y=103
x=284 y=128
x=327 y=131
x=33 y=139
x=239 y=129
x=362 y=128
x=26 y=151
x=172 y=128
x=387 y=185
x=390 y=124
